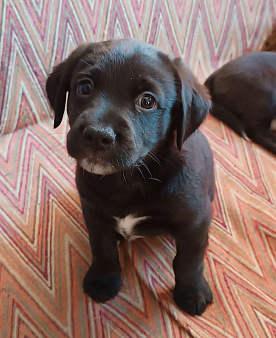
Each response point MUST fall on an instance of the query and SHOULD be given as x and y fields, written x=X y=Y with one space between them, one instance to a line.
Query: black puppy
x=243 y=92
x=142 y=170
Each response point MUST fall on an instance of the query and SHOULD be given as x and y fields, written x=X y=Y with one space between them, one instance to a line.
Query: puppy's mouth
x=106 y=167
x=111 y=159
x=97 y=166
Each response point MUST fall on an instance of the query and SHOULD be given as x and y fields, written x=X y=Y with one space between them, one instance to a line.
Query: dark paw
x=101 y=289
x=193 y=299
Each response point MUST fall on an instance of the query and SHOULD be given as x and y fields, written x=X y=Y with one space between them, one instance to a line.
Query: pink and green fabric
x=44 y=249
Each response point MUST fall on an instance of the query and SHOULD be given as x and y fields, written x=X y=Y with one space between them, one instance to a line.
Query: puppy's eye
x=146 y=101
x=84 y=88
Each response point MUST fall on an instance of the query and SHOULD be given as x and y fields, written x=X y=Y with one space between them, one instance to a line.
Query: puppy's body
x=243 y=92
x=142 y=169
x=164 y=196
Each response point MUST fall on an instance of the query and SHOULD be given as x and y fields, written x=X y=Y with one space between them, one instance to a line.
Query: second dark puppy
x=243 y=92
x=142 y=168
x=270 y=42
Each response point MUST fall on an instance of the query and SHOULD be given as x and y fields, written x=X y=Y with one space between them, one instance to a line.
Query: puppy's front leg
x=191 y=292
x=103 y=279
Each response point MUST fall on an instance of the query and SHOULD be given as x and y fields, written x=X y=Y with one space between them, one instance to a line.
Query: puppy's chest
x=128 y=226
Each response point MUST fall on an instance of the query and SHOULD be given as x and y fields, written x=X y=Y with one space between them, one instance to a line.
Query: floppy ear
x=58 y=83
x=193 y=103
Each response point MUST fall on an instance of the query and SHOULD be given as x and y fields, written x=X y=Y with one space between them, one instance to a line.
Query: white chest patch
x=273 y=125
x=126 y=226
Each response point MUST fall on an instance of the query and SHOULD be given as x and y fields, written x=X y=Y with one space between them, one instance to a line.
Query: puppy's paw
x=101 y=288
x=193 y=299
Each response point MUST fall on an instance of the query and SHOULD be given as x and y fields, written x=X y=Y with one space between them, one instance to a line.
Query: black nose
x=102 y=137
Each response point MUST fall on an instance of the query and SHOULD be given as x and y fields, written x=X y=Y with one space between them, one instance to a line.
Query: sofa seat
x=44 y=249
x=45 y=253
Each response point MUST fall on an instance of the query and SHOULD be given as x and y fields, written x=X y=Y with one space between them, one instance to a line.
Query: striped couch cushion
x=44 y=249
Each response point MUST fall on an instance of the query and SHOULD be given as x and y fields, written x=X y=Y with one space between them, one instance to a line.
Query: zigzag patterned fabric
x=44 y=249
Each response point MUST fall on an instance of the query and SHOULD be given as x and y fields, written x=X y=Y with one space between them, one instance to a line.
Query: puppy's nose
x=102 y=137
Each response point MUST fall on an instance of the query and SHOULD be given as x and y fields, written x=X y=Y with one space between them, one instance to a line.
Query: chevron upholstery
x=44 y=250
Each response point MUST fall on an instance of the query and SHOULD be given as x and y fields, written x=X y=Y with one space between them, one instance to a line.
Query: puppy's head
x=125 y=99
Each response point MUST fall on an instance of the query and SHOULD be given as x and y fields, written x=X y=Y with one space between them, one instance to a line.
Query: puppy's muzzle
x=99 y=138
x=102 y=145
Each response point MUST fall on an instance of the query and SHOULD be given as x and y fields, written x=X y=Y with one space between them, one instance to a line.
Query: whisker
x=163 y=158
x=154 y=158
x=123 y=172
x=144 y=164
x=140 y=172
x=155 y=179
x=123 y=165
x=91 y=167
x=100 y=178
x=124 y=176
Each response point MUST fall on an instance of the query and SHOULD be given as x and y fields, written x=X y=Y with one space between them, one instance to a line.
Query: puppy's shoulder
x=195 y=145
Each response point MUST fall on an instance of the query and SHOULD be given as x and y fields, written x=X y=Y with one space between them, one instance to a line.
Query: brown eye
x=146 y=101
x=84 y=88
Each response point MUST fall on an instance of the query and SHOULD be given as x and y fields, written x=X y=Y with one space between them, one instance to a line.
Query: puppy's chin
x=98 y=168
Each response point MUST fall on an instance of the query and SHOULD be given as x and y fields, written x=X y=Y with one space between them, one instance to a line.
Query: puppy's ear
x=58 y=83
x=193 y=102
